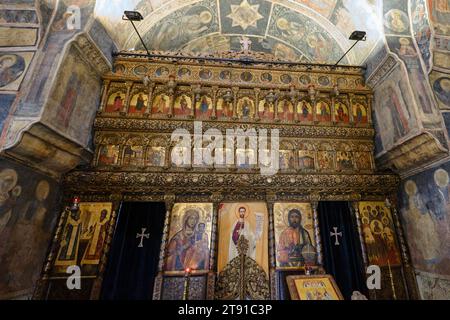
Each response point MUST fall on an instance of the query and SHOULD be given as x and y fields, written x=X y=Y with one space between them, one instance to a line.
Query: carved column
x=354 y=206
x=235 y=101
x=271 y=198
x=216 y=198
x=333 y=108
x=314 y=203
x=369 y=108
x=257 y=94
x=169 y=199
x=275 y=108
x=104 y=99
x=129 y=85
x=151 y=88
x=351 y=96
x=215 y=91
x=171 y=88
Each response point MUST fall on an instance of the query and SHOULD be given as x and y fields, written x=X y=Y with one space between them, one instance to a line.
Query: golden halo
x=11 y=57
x=205 y=17
x=282 y=24
x=286 y=214
x=241 y=205
x=42 y=190
x=441 y=178
x=404 y=41
x=365 y=220
x=372 y=226
x=11 y=176
x=410 y=187
x=445 y=84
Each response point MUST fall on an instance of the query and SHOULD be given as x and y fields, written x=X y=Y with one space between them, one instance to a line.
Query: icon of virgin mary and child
x=189 y=247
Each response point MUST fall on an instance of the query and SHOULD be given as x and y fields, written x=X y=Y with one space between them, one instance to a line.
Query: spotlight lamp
x=356 y=36
x=133 y=16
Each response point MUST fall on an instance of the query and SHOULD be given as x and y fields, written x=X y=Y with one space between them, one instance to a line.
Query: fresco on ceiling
x=304 y=34
x=324 y=7
x=425 y=205
x=422 y=30
x=393 y=109
x=74 y=99
x=345 y=19
x=440 y=15
x=26 y=224
x=182 y=26
x=244 y=16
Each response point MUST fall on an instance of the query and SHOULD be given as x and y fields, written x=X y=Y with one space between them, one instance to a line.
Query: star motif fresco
x=300 y=30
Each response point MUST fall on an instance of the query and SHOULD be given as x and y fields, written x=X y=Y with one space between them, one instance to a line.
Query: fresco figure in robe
x=189 y=247
x=292 y=241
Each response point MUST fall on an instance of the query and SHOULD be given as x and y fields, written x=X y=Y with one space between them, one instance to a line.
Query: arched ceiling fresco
x=298 y=30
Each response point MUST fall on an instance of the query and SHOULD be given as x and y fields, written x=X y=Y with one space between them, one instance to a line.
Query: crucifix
x=142 y=236
x=336 y=234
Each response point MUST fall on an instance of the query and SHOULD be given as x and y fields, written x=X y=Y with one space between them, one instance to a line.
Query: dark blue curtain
x=343 y=261
x=131 y=269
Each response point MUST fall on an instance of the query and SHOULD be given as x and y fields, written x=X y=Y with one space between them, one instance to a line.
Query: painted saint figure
x=99 y=231
x=242 y=228
x=292 y=241
x=189 y=247
x=68 y=252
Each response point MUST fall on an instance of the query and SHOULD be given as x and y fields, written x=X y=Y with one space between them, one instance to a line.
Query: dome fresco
x=301 y=30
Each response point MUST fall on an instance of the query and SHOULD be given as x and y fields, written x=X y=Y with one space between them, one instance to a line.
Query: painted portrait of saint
x=245 y=108
x=190 y=235
x=138 y=103
x=294 y=236
x=341 y=112
x=116 y=102
x=266 y=110
x=249 y=220
x=359 y=113
x=161 y=104
x=379 y=235
x=285 y=110
x=323 y=112
x=305 y=111
x=156 y=156
x=183 y=105
x=108 y=155
x=224 y=108
x=84 y=235
x=11 y=68
x=204 y=107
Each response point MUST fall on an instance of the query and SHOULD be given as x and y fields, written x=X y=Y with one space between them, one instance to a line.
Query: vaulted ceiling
x=298 y=30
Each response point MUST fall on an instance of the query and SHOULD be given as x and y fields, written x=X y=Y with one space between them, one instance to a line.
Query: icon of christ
x=292 y=241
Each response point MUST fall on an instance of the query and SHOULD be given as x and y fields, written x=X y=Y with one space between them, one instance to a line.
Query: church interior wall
x=28 y=215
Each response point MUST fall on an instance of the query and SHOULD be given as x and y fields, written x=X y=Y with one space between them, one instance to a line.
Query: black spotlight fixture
x=355 y=36
x=135 y=16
